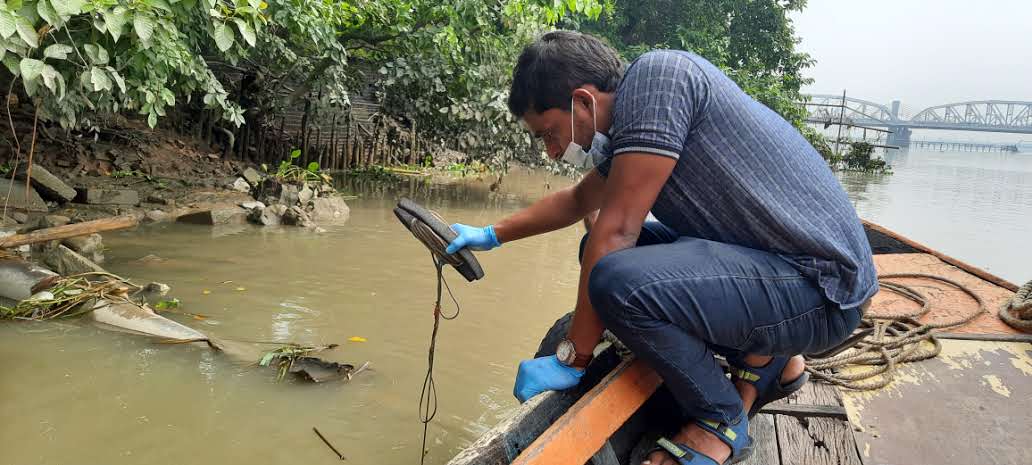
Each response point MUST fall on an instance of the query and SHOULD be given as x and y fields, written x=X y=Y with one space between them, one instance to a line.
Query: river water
x=75 y=394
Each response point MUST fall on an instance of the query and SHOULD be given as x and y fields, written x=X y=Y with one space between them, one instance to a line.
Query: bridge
x=1005 y=116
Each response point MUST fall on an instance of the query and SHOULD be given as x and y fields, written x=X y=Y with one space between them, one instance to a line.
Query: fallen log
x=70 y=230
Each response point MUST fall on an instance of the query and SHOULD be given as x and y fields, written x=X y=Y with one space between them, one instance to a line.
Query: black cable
x=428 y=397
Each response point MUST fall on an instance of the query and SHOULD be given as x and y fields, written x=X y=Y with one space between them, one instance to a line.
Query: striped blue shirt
x=743 y=176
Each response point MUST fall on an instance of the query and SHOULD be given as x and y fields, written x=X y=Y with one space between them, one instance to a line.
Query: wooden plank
x=765 y=442
x=802 y=410
x=815 y=441
x=986 y=337
x=503 y=442
x=70 y=230
x=588 y=424
x=605 y=456
x=985 y=275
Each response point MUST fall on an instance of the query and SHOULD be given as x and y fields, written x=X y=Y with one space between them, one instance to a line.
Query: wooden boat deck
x=957 y=408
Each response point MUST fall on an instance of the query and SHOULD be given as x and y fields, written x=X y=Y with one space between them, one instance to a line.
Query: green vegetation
x=440 y=65
x=287 y=171
x=752 y=41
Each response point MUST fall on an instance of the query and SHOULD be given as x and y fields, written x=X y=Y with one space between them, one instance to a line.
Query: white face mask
x=575 y=154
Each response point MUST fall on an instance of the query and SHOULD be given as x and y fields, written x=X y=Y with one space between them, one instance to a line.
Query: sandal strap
x=745 y=375
x=677 y=451
x=723 y=432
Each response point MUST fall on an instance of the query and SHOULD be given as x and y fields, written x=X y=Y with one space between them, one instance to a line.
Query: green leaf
x=115 y=20
x=30 y=68
x=97 y=54
x=267 y=359
x=13 y=65
x=100 y=80
x=144 y=26
x=68 y=7
x=14 y=5
x=50 y=76
x=117 y=77
x=313 y=167
x=294 y=154
x=47 y=12
x=27 y=32
x=223 y=36
x=162 y=4
x=246 y=31
x=8 y=25
x=58 y=51
x=152 y=120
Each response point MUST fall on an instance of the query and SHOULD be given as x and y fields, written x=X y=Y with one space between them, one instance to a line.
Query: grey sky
x=921 y=52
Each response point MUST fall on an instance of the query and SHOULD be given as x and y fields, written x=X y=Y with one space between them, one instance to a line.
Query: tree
x=751 y=40
x=81 y=57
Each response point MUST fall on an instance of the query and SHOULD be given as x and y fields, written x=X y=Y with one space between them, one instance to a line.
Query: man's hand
x=544 y=374
x=473 y=237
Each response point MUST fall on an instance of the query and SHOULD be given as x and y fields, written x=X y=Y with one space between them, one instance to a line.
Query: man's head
x=562 y=67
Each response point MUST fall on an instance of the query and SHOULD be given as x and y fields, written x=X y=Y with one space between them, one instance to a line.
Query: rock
x=252 y=205
x=295 y=216
x=85 y=244
x=305 y=195
x=240 y=185
x=96 y=196
x=288 y=195
x=268 y=216
x=18 y=199
x=157 y=289
x=252 y=176
x=279 y=209
x=20 y=217
x=330 y=209
x=216 y=216
x=155 y=216
x=48 y=185
x=156 y=198
x=65 y=261
x=50 y=221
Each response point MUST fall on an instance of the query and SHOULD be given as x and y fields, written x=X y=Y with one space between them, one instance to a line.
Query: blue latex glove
x=473 y=237
x=544 y=374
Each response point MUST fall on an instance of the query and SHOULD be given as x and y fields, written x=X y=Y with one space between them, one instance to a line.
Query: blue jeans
x=675 y=301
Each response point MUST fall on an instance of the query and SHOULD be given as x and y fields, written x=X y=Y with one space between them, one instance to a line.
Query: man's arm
x=632 y=187
x=555 y=211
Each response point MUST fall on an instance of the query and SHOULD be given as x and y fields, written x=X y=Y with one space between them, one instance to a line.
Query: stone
x=157 y=289
x=20 y=217
x=155 y=216
x=240 y=185
x=18 y=198
x=305 y=195
x=48 y=186
x=156 y=198
x=288 y=195
x=252 y=205
x=330 y=209
x=268 y=216
x=65 y=261
x=85 y=244
x=252 y=176
x=216 y=216
x=97 y=196
x=51 y=221
x=295 y=216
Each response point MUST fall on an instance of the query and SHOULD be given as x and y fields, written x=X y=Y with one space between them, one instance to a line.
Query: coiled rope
x=897 y=337
x=1017 y=312
x=428 y=396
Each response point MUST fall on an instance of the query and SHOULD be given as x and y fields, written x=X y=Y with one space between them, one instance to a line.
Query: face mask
x=575 y=154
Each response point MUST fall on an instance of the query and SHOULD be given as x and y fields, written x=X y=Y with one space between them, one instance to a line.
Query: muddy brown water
x=75 y=394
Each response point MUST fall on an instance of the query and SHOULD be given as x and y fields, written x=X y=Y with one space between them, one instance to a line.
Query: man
x=757 y=255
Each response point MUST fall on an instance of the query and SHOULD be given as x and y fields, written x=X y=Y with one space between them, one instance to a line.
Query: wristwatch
x=567 y=354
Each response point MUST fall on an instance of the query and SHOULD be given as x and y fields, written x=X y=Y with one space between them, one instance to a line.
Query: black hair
x=555 y=64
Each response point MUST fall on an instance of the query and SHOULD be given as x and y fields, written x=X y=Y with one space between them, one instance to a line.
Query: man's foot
x=795 y=368
x=705 y=442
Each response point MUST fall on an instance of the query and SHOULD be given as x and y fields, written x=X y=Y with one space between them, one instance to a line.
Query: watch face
x=565 y=352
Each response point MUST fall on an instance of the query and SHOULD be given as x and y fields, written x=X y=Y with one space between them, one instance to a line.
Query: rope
x=428 y=397
x=898 y=337
x=1017 y=312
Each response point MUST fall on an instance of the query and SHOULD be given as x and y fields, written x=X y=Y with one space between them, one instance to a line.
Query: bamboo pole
x=70 y=230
